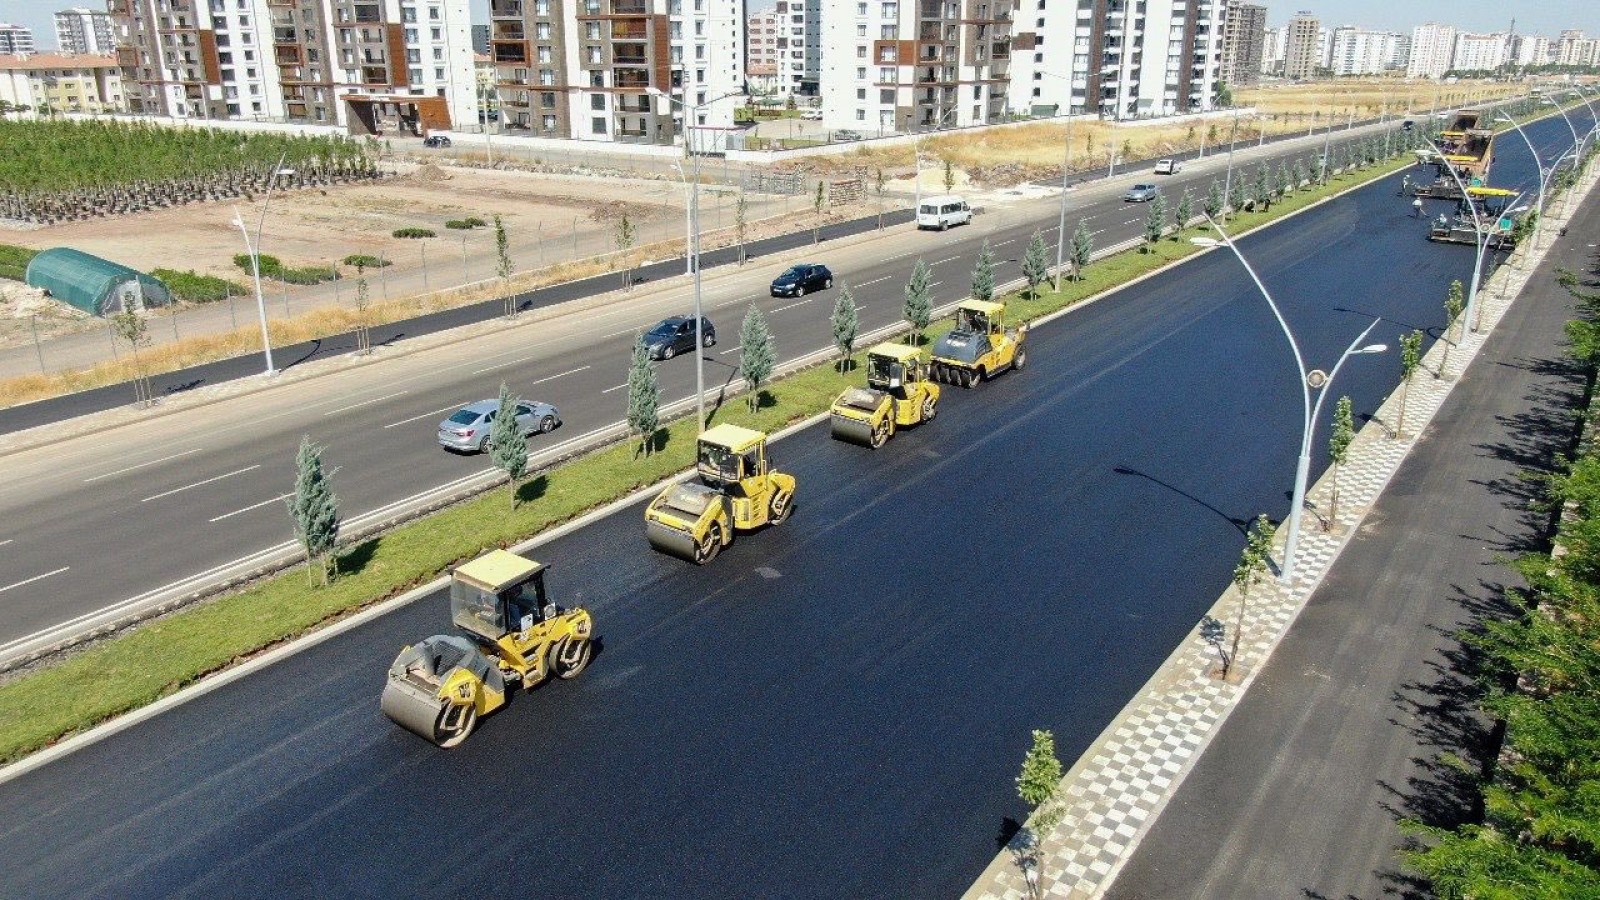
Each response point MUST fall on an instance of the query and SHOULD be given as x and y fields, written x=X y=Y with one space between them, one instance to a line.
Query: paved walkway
x=1122 y=782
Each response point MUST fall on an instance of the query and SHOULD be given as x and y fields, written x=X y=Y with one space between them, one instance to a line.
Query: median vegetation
x=128 y=671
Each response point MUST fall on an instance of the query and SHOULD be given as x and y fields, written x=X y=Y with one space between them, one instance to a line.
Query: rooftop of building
x=40 y=61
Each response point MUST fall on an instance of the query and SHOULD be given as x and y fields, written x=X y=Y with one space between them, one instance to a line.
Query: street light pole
x=1061 y=227
x=1482 y=238
x=255 y=257
x=1310 y=412
x=1544 y=177
x=1227 y=183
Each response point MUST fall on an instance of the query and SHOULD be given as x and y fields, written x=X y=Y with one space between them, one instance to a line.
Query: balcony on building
x=629 y=54
x=127 y=57
x=632 y=79
x=508 y=31
x=505 y=9
x=375 y=75
x=629 y=30
x=629 y=8
x=287 y=56
x=368 y=13
x=510 y=52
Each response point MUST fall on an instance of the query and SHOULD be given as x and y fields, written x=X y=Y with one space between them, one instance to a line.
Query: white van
x=1168 y=167
x=942 y=212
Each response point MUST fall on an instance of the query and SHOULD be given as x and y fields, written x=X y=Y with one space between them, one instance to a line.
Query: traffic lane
x=1134 y=448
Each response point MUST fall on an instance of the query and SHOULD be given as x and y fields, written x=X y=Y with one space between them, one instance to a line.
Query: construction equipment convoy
x=899 y=392
x=1491 y=208
x=512 y=634
x=979 y=346
x=735 y=488
x=1466 y=146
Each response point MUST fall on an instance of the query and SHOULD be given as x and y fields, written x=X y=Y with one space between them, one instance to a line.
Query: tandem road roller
x=736 y=487
x=979 y=346
x=898 y=393
x=512 y=634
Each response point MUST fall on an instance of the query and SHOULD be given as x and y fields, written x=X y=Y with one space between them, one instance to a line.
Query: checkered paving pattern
x=1120 y=784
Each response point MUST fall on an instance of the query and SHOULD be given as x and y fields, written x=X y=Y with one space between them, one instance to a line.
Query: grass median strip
x=42 y=706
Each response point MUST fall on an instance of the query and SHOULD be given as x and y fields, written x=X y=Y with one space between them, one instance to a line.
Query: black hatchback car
x=676 y=335
x=797 y=281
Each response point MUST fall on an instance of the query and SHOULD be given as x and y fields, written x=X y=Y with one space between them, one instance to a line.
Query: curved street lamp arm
x=1299 y=361
x=1349 y=351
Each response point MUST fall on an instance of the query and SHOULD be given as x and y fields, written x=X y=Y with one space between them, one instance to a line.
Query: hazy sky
x=1533 y=16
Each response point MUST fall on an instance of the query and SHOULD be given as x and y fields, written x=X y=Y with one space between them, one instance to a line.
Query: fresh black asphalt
x=1346 y=730
x=835 y=707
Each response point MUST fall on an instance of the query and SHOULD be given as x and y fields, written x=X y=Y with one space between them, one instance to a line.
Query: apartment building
x=799 y=46
x=1432 y=50
x=761 y=40
x=914 y=65
x=1361 y=51
x=1530 y=50
x=1273 y=50
x=1480 y=52
x=16 y=39
x=1573 y=49
x=371 y=66
x=80 y=30
x=636 y=71
x=1115 y=58
x=1303 y=53
x=64 y=82
x=1244 y=33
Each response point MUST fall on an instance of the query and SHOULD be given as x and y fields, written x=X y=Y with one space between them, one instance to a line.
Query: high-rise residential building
x=1402 y=52
x=635 y=71
x=1360 y=51
x=915 y=65
x=799 y=46
x=1433 y=47
x=1573 y=49
x=80 y=30
x=16 y=39
x=65 y=82
x=1244 y=33
x=1121 y=60
x=372 y=66
x=1530 y=50
x=1479 y=52
x=1274 y=46
x=1301 y=55
x=761 y=39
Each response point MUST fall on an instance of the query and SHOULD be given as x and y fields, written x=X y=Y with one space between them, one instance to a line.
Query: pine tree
x=1037 y=785
x=757 y=355
x=1247 y=573
x=918 y=308
x=644 y=397
x=1155 y=223
x=949 y=177
x=625 y=236
x=315 y=510
x=1299 y=174
x=1281 y=183
x=741 y=222
x=502 y=252
x=1344 y=431
x=1185 y=210
x=508 y=449
x=846 y=323
x=817 y=204
x=1213 y=202
x=1082 y=249
x=1236 y=195
x=1263 y=185
x=983 y=275
x=1035 y=265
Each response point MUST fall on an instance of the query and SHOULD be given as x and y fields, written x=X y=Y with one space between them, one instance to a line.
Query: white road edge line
x=250 y=507
x=365 y=403
x=199 y=483
x=33 y=579
x=140 y=466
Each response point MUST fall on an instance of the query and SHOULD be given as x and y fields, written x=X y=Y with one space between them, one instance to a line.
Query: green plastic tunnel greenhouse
x=90 y=283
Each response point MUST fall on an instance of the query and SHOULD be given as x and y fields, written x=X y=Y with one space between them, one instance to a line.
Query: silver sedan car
x=468 y=430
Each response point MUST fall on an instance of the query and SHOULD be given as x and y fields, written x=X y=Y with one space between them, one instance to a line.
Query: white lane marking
x=935 y=284
x=777 y=309
x=940 y=262
x=365 y=403
x=872 y=282
x=1003 y=243
x=199 y=483
x=33 y=579
x=140 y=465
x=425 y=415
x=617 y=388
x=611 y=335
x=6 y=541
x=252 y=506
x=736 y=349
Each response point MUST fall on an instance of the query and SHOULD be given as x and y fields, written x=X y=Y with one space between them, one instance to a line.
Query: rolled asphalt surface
x=1306 y=776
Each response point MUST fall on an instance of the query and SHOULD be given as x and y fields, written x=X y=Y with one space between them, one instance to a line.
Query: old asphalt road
x=835 y=707
x=1341 y=736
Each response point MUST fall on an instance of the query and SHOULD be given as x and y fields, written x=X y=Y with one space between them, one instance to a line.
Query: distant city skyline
x=1546 y=17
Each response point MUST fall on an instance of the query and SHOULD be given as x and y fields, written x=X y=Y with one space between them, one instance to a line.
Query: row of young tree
x=57 y=170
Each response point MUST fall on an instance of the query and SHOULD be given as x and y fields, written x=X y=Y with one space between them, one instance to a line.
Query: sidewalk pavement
x=1116 y=790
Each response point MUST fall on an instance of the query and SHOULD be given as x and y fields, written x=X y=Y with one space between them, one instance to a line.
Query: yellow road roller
x=898 y=393
x=735 y=487
x=979 y=346
x=511 y=634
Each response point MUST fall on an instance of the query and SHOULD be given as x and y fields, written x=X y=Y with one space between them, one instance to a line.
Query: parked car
x=468 y=430
x=797 y=281
x=1141 y=193
x=812 y=114
x=676 y=335
x=1168 y=167
x=845 y=134
x=435 y=140
x=942 y=212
